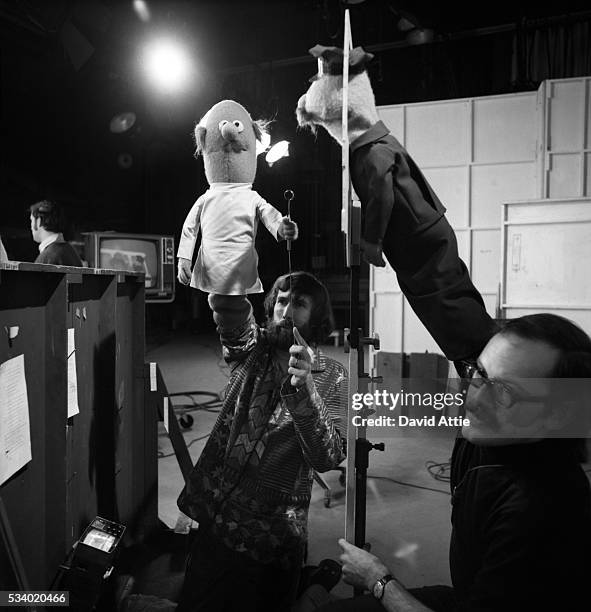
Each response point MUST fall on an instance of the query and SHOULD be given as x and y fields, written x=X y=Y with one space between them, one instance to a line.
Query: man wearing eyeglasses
x=521 y=503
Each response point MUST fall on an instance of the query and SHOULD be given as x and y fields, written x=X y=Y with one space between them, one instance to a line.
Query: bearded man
x=283 y=416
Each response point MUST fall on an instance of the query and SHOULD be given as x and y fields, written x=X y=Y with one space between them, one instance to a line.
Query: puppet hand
x=288 y=230
x=184 y=273
x=360 y=568
x=300 y=361
x=372 y=253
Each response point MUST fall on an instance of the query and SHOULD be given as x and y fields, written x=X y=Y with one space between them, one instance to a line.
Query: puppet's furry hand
x=372 y=253
x=288 y=230
x=184 y=271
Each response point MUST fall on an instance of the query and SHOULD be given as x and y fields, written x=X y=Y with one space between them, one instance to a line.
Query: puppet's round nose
x=230 y=130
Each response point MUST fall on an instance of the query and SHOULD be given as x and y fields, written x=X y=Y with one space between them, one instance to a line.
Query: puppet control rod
x=357 y=462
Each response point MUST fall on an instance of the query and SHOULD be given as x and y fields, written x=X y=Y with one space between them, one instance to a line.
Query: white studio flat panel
x=497 y=183
x=549 y=211
x=393 y=118
x=505 y=128
x=564 y=175
x=580 y=317
x=486 y=259
x=416 y=337
x=437 y=134
x=451 y=187
x=383 y=280
x=565 y=115
x=548 y=264
x=463 y=239
x=387 y=320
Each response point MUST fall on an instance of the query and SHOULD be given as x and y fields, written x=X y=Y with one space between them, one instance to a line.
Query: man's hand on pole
x=361 y=569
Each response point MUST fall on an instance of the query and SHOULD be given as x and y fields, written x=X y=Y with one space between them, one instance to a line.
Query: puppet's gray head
x=322 y=104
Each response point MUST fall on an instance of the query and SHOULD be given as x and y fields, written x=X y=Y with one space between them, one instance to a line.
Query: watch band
x=380 y=586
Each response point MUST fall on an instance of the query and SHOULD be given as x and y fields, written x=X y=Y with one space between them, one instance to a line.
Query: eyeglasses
x=503 y=395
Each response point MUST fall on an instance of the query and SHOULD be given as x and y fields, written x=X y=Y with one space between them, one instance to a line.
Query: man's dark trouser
x=218 y=579
x=438 y=598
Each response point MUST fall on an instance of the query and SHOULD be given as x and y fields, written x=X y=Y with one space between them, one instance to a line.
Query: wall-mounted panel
x=416 y=338
x=549 y=264
x=564 y=175
x=493 y=184
x=547 y=255
x=565 y=115
x=505 y=128
x=387 y=317
x=451 y=186
x=438 y=134
x=393 y=118
x=486 y=253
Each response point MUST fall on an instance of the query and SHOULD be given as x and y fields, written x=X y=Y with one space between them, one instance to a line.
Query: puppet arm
x=190 y=231
x=271 y=217
x=187 y=242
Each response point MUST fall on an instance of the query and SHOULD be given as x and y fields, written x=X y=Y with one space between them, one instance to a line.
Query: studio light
x=167 y=65
x=277 y=151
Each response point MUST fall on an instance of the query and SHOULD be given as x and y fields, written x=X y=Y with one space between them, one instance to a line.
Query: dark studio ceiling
x=231 y=34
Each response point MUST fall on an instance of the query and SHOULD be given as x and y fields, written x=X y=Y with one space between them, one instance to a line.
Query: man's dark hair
x=303 y=283
x=50 y=213
x=574 y=360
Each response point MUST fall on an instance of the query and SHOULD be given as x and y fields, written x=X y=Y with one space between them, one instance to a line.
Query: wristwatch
x=380 y=585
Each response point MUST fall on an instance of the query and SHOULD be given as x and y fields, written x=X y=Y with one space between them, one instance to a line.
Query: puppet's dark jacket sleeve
x=390 y=186
x=401 y=211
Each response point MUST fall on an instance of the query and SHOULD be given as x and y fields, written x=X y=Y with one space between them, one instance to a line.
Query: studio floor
x=408 y=511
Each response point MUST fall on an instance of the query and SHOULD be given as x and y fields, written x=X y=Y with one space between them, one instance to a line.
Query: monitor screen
x=131 y=254
x=99 y=540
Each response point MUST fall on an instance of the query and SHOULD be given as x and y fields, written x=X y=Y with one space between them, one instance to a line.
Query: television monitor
x=151 y=254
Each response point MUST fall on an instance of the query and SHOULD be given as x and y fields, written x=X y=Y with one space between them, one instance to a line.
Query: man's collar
x=376 y=131
x=50 y=240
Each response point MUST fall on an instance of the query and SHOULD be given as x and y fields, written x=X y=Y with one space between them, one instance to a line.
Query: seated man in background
x=47 y=223
x=283 y=416
x=521 y=505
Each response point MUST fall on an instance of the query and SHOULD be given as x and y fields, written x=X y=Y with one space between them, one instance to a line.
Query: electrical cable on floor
x=439 y=471
x=211 y=405
x=408 y=484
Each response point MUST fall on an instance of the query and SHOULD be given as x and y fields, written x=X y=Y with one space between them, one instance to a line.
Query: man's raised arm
x=235 y=324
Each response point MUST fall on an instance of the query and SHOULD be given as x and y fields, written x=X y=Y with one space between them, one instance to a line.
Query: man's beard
x=280 y=335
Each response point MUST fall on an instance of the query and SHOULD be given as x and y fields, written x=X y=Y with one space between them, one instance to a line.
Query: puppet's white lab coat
x=228 y=215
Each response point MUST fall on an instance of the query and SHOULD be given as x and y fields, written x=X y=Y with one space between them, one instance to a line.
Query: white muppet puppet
x=228 y=213
x=402 y=218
